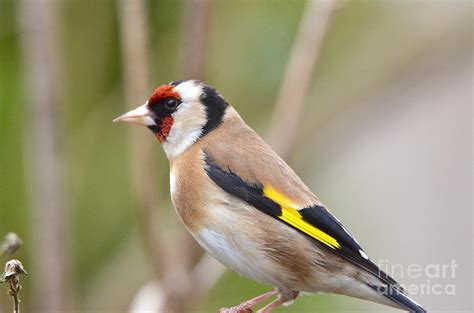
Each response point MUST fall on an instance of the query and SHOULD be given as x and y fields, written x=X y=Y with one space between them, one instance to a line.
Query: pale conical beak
x=140 y=116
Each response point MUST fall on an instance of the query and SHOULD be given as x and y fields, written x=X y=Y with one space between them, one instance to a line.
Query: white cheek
x=187 y=128
x=178 y=141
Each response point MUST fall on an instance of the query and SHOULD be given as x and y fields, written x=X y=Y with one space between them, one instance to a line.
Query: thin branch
x=207 y=273
x=11 y=275
x=48 y=224
x=295 y=84
x=195 y=18
x=136 y=73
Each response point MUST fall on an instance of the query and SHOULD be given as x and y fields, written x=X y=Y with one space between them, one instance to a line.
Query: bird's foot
x=285 y=298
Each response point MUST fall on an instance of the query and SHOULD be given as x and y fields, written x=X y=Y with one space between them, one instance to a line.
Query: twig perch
x=11 y=275
x=195 y=18
x=49 y=222
x=298 y=74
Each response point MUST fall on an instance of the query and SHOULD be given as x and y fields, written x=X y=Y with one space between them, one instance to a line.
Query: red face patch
x=166 y=122
x=165 y=128
x=163 y=92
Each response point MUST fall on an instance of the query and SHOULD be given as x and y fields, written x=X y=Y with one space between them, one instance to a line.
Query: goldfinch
x=248 y=209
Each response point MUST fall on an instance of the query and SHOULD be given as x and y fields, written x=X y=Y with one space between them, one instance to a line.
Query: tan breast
x=188 y=184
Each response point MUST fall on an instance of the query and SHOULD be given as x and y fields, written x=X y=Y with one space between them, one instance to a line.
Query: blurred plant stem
x=298 y=75
x=37 y=21
x=195 y=19
x=135 y=65
x=11 y=243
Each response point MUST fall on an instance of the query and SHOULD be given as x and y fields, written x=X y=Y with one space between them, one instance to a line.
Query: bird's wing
x=314 y=221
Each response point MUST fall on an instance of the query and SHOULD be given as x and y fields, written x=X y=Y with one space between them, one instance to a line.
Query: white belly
x=235 y=249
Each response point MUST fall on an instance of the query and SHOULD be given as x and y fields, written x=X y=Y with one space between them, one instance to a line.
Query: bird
x=247 y=208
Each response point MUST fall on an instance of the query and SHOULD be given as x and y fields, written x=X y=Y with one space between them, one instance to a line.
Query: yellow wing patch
x=291 y=215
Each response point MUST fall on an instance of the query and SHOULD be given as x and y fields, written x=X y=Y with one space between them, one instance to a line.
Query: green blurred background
x=385 y=140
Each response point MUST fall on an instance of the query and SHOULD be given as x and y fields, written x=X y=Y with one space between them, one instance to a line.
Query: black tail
x=399 y=297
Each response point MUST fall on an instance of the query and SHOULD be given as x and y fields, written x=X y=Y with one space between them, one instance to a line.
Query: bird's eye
x=171 y=104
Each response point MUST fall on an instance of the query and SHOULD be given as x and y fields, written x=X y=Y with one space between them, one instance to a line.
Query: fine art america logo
x=432 y=279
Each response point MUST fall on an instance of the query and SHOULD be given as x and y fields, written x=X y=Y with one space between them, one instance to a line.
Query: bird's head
x=179 y=113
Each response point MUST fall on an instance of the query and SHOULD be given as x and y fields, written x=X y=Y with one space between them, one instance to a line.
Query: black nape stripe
x=215 y=108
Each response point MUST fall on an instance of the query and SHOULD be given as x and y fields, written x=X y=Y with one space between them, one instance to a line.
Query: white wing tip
x=363 y=254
